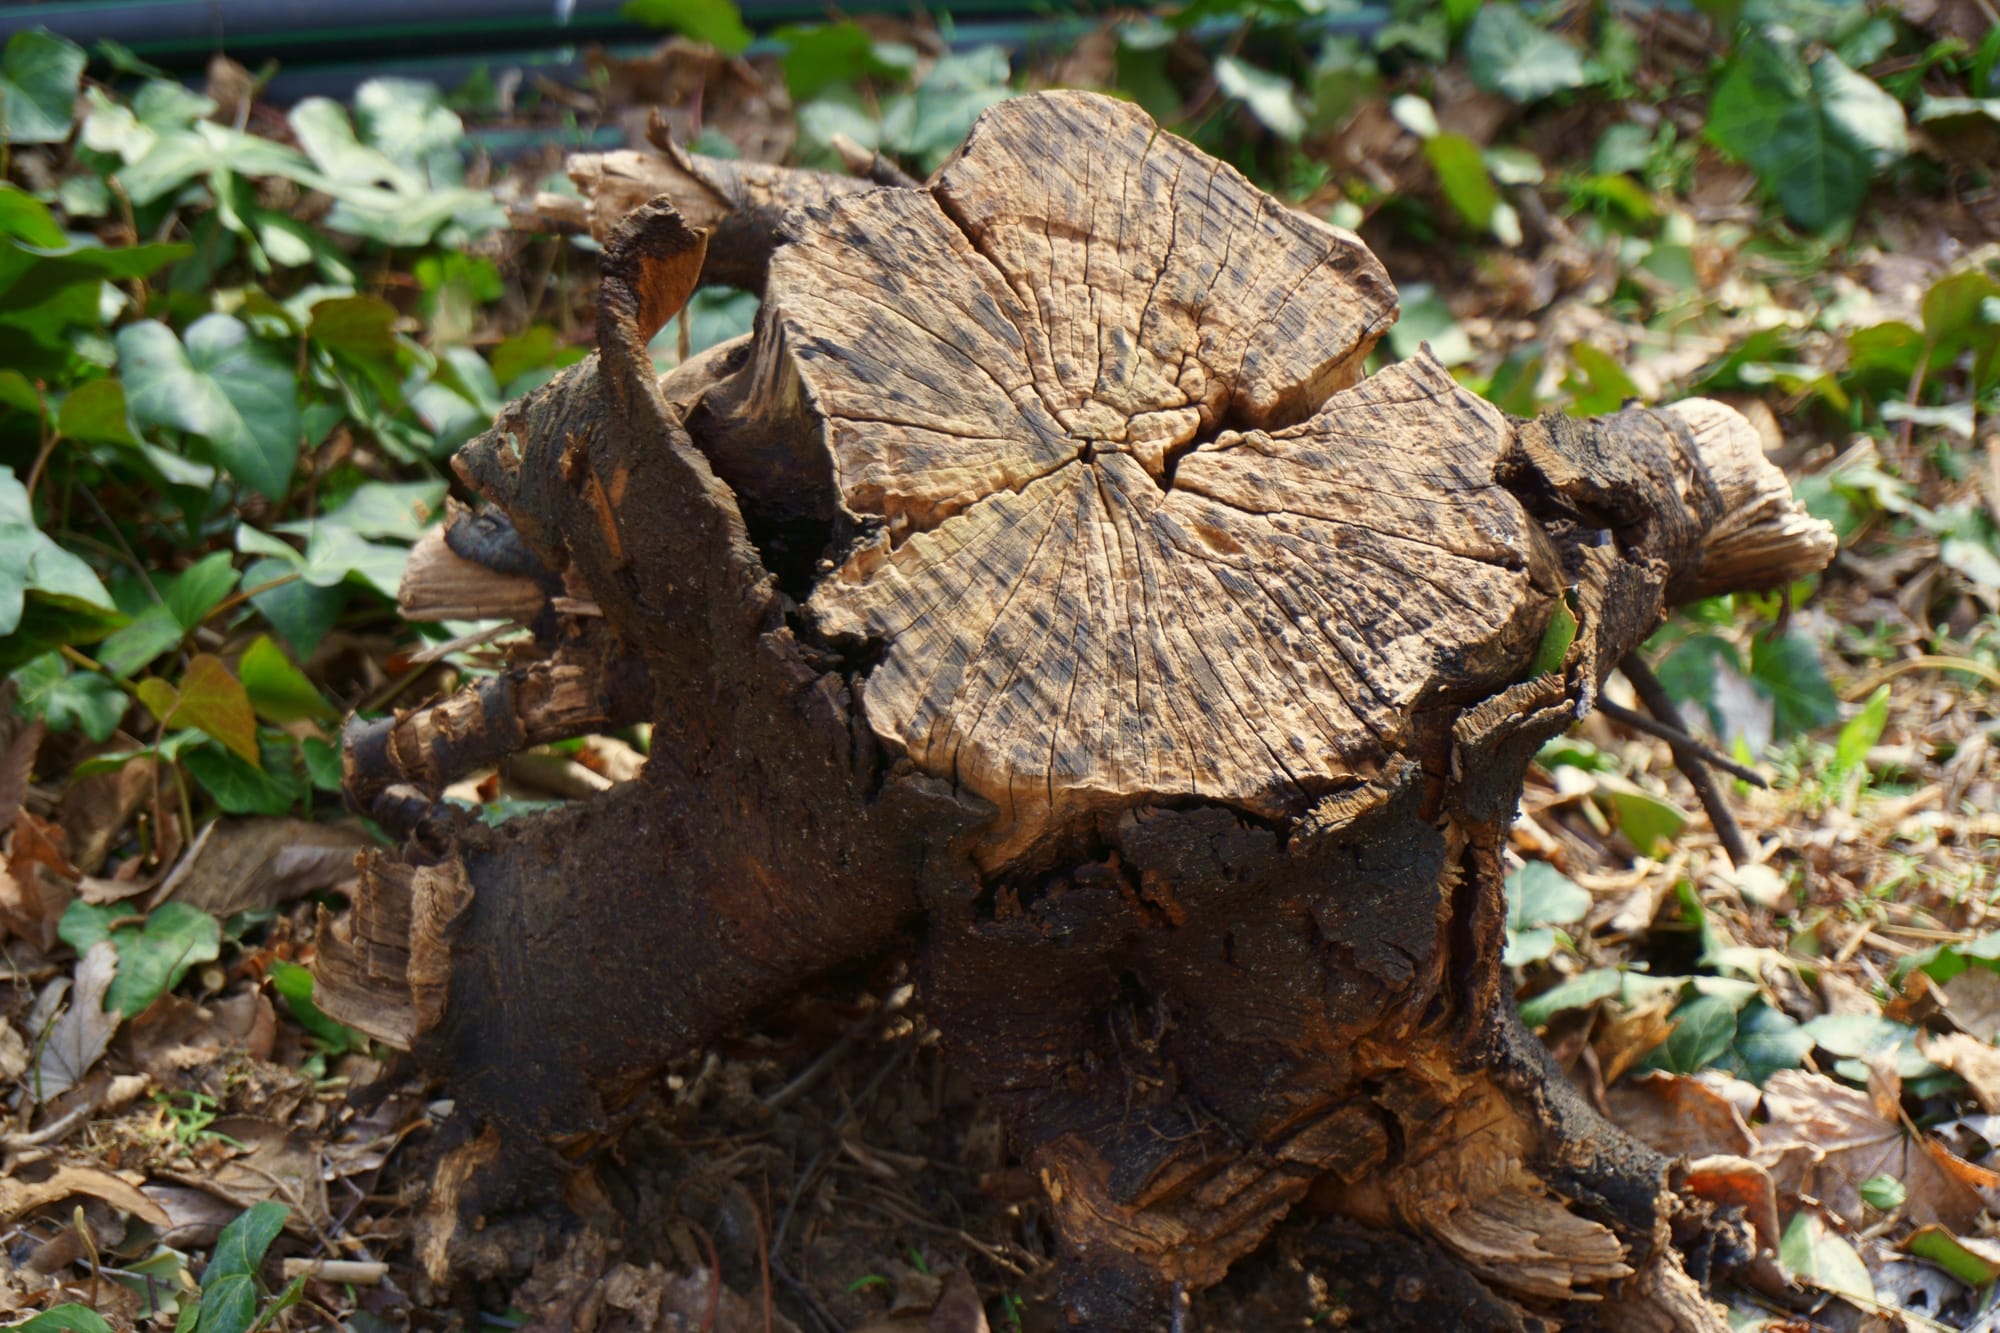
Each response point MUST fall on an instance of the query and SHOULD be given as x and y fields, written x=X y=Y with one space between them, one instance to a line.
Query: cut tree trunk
x=1044 y=587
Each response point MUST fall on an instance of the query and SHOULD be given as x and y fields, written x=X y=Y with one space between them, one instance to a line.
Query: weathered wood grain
x=1137 y=533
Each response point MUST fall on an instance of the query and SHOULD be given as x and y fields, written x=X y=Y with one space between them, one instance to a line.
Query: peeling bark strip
x=1042 y=589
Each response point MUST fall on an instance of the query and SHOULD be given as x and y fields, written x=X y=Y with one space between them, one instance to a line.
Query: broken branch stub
x=1042 y=587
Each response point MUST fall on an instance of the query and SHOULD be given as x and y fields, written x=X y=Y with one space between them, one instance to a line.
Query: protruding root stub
x=1042 y=583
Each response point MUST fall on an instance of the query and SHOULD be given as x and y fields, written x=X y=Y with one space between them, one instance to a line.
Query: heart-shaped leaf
x=222 y=385
x=38 y=79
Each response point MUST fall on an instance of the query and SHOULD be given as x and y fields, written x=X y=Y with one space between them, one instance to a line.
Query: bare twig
x=52 y=1132
x=352 y=1272
x=1689 y=760
x=860 y=1031
x=1711 y=756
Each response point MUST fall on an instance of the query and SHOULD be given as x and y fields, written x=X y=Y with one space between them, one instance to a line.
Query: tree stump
x=1044 y=588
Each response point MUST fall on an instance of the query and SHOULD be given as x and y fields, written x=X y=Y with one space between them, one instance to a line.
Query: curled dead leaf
x=18 y=1197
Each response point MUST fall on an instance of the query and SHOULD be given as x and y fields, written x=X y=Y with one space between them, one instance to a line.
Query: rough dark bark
x=1205 y=997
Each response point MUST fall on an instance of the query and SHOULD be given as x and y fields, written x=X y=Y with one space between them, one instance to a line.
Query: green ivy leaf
x=1860 y=732
x=1461 y=172
x=294 y=985
x=1586 y=988
x=29 y=220
x=717 y=22
x=63 y=698
x=1768 y=1040
x=228 y=1304
x=328 y=138
x=300 y=611
x=239 y=788
x=1599 y=384
x=820 y=55
x=152 y=958
x=409 y=120
x=222 y=385
x=1815 y=135
x=199 y=589
x=48 y=597
x=66 y=1318
x=1704 y=1027
x=1508 y=53
x=1540 y=895
x=360 y=328
x=928 y=123
x=536 y=348
x=1787 y=668
x=239 y=1250
x=1648 y=822
x=39 y=73
x=1271 y=98
x=323 y=766
x=206 y=149
x=1886 y=1193
x=1557 y=636
x=96 y=413
x=278 y=690
x=1821 y=1259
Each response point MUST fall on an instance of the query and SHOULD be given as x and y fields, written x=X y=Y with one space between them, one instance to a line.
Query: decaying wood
x=740 y=204
x=441 y=584
x=1043 y=589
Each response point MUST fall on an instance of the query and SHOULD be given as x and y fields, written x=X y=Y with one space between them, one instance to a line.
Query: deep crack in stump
x=1043 y=587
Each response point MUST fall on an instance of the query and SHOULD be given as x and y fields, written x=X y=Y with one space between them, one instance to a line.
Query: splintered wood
x=1141 y=531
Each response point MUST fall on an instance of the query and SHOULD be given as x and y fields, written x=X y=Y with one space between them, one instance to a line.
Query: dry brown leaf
x=18 y=1197
x=1972 y=1002
x=1919 y=1001
x=17 y=765
x=250 y=865
x=13 y=1053
x=1682 y=1115
x=279 y=1164
x=37 y=882
x=77 y=1040
x=1842 y=996
x=177 y=1033
x=194 y=1216
x=1742 y=1183
x=1975 y=1061
x=958 y=1310
x=1738 y=1182
x=97 y=807
x=1628 y=1040
x=1826 y=1139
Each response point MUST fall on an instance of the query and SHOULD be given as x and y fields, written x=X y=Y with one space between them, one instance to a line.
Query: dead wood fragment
x=1042 y=588
x=440 y=584
x=738 y=203
x=585 y=686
